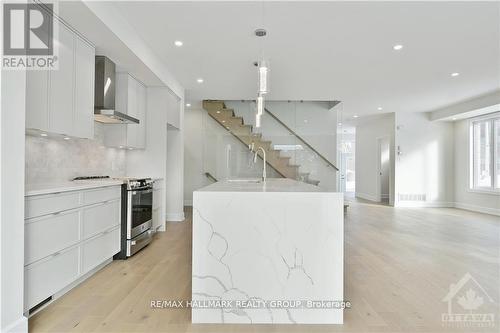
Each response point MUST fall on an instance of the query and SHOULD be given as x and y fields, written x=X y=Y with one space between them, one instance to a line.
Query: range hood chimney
x=104 y=94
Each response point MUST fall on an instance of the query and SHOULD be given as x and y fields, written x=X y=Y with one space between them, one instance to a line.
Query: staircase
x=244 y=133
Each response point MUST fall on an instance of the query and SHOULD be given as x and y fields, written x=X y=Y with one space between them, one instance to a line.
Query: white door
x=383 y=169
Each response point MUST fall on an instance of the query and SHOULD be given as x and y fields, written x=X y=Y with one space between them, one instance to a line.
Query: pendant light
x=263 y=75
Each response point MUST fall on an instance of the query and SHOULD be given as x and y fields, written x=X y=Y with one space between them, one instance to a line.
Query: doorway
x=384 y=169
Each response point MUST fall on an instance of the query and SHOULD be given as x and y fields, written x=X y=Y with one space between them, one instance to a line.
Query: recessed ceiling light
x=188 y=104
x=340 y=124
x=200 y=80
x=455 y=74
x=66 y=138
x=218 y=111
x=121 y=147
x=43 y=134
x=453 y=118
x=355 y=116
x=223 y=121
x=178 y=43
x=379 y=108
x=397 y=47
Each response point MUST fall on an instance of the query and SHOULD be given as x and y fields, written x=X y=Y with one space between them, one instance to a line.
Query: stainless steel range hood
x=104 y=94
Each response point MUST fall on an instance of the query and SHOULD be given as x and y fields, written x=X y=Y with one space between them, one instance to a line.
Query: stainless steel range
x=136 y=213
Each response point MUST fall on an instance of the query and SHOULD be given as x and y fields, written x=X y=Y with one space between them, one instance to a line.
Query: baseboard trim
x=366 y=196
x=478 y=209
x=424 y=204
x=19 y=326
x=175 y=217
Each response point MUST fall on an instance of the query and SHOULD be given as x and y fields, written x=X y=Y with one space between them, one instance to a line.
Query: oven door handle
x=143 y=190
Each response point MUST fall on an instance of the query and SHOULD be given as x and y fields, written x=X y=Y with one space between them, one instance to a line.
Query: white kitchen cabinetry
x=61 y=85
x=67 y=235
x=158 y=220
x=61 y=101
x=131 y=100
x=84 y=89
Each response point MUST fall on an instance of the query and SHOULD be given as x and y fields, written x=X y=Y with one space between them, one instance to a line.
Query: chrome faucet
x=252 y=149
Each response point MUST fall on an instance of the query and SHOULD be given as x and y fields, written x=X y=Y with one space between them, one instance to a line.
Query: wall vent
x=412 y=197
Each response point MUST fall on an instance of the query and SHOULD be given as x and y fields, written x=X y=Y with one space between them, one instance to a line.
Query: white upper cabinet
x=61 y=101
x=37 y=100
x=62 y=85
x=131 y=100
x=84 y=89
x=141 y=114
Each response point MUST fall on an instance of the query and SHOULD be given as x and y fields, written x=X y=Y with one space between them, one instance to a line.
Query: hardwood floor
x=399 y=264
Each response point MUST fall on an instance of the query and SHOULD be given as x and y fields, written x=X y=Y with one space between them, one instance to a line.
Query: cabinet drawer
x=50 y=234
x=52 y=203
x=96 y=219
x=47 y=277
x=100 y=195
x=97 y=250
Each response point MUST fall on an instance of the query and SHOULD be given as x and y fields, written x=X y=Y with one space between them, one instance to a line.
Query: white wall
x=368 y=131
x=12 y=124
x=175 y=165
x=194 y=177
x=426 y=163
x=464 y=198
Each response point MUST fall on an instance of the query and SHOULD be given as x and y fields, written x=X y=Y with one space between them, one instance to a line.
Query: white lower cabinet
x=61 y=246
x=100 y=248
x=47 y=235
x=46 y=277
x=99 y=218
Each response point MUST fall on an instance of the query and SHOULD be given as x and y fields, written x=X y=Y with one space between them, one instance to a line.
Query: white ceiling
x=78 y=15
x=329 y=50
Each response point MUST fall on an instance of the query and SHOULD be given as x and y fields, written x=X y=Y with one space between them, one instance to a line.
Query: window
x=485 y=154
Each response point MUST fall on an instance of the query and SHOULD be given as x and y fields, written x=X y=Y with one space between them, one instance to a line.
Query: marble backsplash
x=54 y=160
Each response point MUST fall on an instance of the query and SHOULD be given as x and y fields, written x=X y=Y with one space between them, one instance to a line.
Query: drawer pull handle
x=56 y=213
x=56 y=254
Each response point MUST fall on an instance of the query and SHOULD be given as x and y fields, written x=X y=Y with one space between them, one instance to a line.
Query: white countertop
x=271 y=185
x=38 y=189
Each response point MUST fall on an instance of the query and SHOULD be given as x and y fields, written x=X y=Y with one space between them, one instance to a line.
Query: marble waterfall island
x=267 y=253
